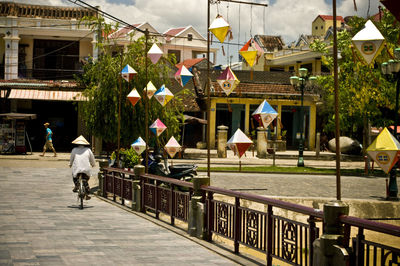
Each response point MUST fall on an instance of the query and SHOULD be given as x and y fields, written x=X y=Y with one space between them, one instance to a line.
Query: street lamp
x=301 y=82
x=391 y=70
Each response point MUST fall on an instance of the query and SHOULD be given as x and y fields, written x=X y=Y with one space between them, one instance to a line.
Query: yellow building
x=235 y=110
x=322 y=23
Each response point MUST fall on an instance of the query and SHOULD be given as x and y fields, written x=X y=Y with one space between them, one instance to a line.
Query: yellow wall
x=248 y=101
x=320 y=26
x=85 y=49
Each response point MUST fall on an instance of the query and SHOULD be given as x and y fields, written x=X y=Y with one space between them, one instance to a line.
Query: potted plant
x=128 y=158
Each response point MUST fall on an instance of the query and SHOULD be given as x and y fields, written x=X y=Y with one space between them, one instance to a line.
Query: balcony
x=48 y=74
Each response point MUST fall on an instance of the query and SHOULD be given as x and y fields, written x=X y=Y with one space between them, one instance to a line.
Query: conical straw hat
x=81 y=140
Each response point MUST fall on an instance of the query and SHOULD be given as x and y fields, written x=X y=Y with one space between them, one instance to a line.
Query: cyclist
x=81 y=161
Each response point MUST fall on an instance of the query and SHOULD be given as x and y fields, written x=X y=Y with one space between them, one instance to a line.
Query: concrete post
x=261 y=142
x=329 y=248
x=197 y=208
x=317 y=144
x=102 y=164
x=222 y=139
x=11 y=41
x=136 y=189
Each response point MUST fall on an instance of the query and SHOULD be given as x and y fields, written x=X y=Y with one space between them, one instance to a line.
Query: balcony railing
x=48 y=74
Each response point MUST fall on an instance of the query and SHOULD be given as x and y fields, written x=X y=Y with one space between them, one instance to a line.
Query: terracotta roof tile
x=327 y=17
x=169 y=34
x=188 y=63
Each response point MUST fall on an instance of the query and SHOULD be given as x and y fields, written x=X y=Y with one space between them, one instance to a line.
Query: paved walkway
x=40 y=225
x=198 y=156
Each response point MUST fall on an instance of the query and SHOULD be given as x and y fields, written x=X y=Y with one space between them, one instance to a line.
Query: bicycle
x=81 y=189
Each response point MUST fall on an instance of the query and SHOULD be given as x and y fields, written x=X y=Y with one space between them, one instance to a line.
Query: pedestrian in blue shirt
x=49 y=140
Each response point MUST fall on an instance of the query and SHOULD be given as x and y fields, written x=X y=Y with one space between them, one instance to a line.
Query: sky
x=286 y=18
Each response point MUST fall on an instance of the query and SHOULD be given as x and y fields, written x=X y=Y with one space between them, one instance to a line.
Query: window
x=322 y=27
x=55 y=59
x=177 y=54
x=190 y=37
x=316 y=27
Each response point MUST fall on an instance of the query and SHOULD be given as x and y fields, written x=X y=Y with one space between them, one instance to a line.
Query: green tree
x=102 y=81
x=365 y=95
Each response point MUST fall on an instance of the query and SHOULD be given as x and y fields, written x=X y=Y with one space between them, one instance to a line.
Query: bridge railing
x=238 y=218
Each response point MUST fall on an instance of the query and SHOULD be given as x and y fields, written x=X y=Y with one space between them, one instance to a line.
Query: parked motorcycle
x=157 y=165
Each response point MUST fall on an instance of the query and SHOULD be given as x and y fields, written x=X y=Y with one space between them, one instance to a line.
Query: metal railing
x=230 y=215
x=48 y=74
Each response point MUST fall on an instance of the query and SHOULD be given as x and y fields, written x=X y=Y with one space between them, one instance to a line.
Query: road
x=296 y=185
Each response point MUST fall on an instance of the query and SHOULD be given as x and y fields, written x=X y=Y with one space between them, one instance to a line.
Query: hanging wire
x=229 y=54
x=239 y=27
x=251 y=21
x=264 y=31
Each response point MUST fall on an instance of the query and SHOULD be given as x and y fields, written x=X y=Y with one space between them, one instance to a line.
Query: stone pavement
x=41 y=225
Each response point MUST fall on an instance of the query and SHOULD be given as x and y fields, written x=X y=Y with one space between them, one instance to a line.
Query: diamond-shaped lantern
x=369 y=42
x=154 y=53
x=265 y=114
x=385 y=150
x=251 y=51
x=228 y=81
x=133 y=97
x=128 y=73
x=163 y=95
x=158 y=127
x=172 y=147
x=139 y=145
x=220 y=28
x=183 y=75
x=151 y=89
x=239 y=143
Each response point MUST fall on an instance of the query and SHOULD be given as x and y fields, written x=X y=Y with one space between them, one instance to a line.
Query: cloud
x=286 y=18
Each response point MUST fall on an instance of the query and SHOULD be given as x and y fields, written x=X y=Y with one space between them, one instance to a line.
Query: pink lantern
x=154 y=53
x=158 y=127
x=172 y=147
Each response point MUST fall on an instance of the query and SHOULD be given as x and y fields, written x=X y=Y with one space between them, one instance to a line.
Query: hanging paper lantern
x=369 y=42
x=133 y=97
x=139 y=145
x=154 y=53
x=385 y=150
x=128 y=73
x=251 y=51
x=151 y=89
x=183 y=75
x=172 y=147
x=158 y=127
x=239 y=143
x=228 y=81
x=264 y=114
x=220 y=28
x=163 y=95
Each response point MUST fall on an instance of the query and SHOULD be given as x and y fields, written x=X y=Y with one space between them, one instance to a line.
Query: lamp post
x=302 y=82
x=391 y=70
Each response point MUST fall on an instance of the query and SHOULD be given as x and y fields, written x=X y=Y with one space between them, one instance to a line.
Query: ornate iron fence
x=264 y=231
x=278 y=237
x=368 y=252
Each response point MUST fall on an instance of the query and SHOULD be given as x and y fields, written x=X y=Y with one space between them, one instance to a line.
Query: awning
x=46 y=95
x=20 y=116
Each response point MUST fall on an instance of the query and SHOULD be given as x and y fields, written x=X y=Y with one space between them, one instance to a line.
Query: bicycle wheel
x=81 y=192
